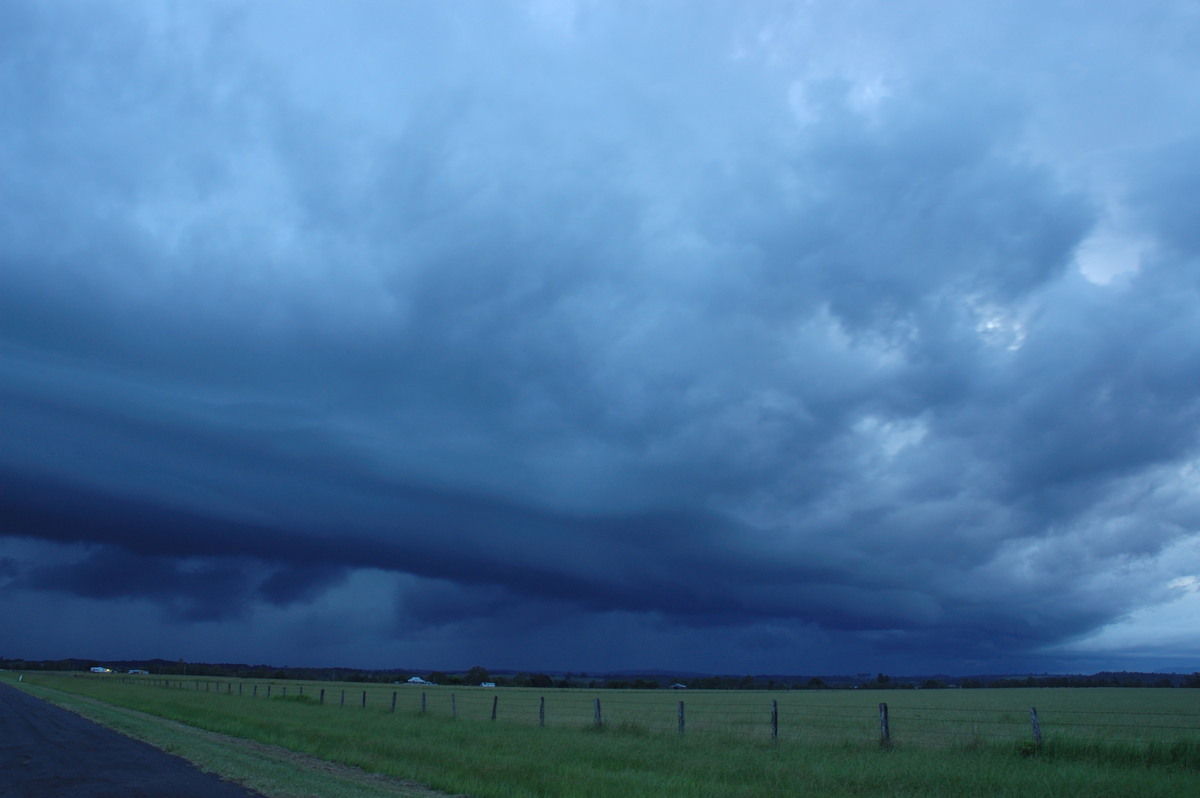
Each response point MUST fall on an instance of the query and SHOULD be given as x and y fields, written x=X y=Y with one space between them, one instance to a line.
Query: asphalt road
x=47 y=752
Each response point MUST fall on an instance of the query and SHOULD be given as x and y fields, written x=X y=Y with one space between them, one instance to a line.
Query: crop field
x=1110 y=741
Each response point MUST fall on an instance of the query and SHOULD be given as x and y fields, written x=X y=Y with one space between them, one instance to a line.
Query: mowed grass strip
x=638 y=753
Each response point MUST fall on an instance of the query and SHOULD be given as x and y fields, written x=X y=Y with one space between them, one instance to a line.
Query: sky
x=727 y=337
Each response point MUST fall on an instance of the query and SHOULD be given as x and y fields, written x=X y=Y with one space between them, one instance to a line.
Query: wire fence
x=940 y=718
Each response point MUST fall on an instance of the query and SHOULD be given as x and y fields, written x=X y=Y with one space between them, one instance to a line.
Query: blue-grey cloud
x=800 y=323
x=204 y=591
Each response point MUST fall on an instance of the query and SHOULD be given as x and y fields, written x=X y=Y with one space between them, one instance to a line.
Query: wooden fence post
x=681 y=720
x=542 y=711
x=342 y=703
x=1037 y=727
x=301 y=690
x=268 y=691
x=774 y=719
x=599 y=717
x=322 y=695
x=239 y=688
x=364 y=703
x=393 y=701
x=255 y=691
x=285 y=691
x=453 y=707
x=422 y=703
x=885 y=732
x=495 y=701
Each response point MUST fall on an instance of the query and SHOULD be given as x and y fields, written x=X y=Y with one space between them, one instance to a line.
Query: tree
x=478 y=675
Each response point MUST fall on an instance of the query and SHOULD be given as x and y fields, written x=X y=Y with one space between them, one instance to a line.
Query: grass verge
x=271 y=770
x=499 y=759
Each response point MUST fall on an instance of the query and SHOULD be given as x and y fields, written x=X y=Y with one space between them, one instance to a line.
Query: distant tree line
x=480 y=675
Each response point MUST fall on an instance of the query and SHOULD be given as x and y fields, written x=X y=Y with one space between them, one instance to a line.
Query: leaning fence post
x=885 y=733
x=1037 y=727
x=495 y=700
x=599 y=717
x=681 y=722
x=774 y=719
x=542 y=711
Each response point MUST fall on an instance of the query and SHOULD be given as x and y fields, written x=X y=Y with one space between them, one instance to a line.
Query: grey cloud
x=1163 y=181
x=304 y=583
x=203 y=591
x=561 y=324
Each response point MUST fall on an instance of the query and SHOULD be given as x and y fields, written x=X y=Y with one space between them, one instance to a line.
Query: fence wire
x=802 y=716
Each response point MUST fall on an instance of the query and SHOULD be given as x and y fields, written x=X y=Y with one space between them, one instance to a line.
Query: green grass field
x=1143 y=742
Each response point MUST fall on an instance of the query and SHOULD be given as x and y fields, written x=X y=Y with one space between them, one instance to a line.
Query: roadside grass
x=275 y=772
x=830 y=748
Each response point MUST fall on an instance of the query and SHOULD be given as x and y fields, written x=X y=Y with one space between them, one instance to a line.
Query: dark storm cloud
x=300 y=584
x=193 y=592
x=619 y=562
x=543 y=315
